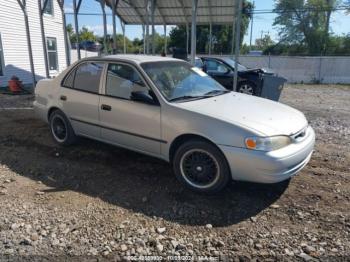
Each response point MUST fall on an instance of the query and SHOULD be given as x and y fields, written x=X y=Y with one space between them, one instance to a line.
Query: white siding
x=14 y=41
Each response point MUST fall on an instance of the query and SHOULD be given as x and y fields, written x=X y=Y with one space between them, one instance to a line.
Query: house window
x=2 y=64
x=49 y=7
x=52 y=53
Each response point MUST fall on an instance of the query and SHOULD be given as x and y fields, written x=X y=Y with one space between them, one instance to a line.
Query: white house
x=14 y=53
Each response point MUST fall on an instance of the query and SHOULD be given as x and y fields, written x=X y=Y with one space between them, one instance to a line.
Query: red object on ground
x=15 y=85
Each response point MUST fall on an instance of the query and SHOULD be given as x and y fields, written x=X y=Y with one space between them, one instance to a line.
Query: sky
x=340 y=22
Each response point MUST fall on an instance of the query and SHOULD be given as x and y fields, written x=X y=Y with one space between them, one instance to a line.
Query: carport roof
x=176 y=12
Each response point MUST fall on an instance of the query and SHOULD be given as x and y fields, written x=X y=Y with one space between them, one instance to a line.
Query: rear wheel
x=61 y=129
x=201 y=166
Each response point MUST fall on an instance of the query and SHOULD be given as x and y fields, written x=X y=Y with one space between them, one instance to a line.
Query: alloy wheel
x=199 y=168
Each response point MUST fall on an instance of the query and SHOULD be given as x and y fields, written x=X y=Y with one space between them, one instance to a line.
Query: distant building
x=14 y=55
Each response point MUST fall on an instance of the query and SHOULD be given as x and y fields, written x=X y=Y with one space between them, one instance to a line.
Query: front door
x=79 y=97
x=129 y=115
x=220 y=72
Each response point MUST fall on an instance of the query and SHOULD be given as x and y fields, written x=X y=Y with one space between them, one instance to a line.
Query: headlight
x=267 y=143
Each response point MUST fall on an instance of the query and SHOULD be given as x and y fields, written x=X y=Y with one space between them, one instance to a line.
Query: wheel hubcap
x=246 y=89
x=59 y=128
x=199 y=168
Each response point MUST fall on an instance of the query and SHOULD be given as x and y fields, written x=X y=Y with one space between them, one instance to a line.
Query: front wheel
x=247 y=87
x=201 y=167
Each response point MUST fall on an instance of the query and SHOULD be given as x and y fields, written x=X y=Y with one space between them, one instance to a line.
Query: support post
x=233 y=35
x=66 y=46
x=76 y=8
x=193 y=31
x=43 y=38
x=210 y=37
x=123 y=29
x=104 y=16
x=187 y=38
x=238 y=38
x=153 y=8
x=114 y=7
x=251 y=27
x=23 y=6
x=147 y=25
x=165 y=40
x=144 y=40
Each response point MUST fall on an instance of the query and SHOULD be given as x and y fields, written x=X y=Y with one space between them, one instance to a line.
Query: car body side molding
x=120 y=131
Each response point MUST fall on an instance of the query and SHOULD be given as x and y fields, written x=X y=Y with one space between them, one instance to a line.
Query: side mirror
x=222 y=69
x=142 y=97
x=138 y=82
x=204 y=68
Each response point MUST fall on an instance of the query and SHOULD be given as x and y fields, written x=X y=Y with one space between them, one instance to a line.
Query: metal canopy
x=176 y=12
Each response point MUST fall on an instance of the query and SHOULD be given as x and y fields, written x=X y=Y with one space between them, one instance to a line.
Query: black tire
x=201 y=160
x=58 y=121
x=247 y=87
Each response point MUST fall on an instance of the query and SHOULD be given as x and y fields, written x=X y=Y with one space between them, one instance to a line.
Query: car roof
x=138 y=58
x=214 y=57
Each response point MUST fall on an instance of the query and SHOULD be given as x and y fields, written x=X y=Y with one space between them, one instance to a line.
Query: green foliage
x=221 y=34
x=337 y=45
x=84 y=34
x=305 y=23
x=263 y=43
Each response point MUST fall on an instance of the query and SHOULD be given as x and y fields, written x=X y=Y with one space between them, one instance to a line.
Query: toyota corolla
x=168 y=109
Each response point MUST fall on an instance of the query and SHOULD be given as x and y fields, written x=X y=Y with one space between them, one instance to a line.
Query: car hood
x=262 y=116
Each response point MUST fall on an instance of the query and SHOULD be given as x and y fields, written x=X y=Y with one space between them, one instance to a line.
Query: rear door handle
x=106 y=107
x=63 y=98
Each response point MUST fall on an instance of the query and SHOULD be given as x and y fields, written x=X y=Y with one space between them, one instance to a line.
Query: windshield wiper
x=216 y=92
x=206 y=95
x=186 y=97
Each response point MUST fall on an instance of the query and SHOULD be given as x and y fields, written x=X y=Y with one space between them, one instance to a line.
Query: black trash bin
x=272 y=87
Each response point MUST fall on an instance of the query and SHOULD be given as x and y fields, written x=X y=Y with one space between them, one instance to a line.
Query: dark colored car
x=250 y=81
x=90 y=46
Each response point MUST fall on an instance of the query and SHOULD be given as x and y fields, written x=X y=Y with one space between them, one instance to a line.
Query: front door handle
x=63 y=98
x=106 y=107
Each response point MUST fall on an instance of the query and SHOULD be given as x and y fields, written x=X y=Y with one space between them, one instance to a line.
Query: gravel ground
x=97 y=202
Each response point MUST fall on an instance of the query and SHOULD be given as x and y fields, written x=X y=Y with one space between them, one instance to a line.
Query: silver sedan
x=168 y=109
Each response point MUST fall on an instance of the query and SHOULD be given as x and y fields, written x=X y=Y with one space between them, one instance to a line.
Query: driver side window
x=123 y=80
x=214 y=66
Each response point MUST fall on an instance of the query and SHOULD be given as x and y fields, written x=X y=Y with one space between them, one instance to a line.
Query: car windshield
x=179 y=81
x=231 y=62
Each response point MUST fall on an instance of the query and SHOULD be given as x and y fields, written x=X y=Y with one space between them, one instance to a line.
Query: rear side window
x=86 y=77
x=69 y=80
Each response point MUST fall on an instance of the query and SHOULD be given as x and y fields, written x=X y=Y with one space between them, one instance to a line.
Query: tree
x=86 y=35
x=263 y=43
x=72 y=36
x=305 y=22
x=347 y=4
x=221 y=34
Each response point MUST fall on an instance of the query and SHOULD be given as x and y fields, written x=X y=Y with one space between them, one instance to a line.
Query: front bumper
x=269 y=167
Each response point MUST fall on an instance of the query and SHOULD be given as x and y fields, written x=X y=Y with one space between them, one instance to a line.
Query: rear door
x=79 y=97
x=125 y=120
